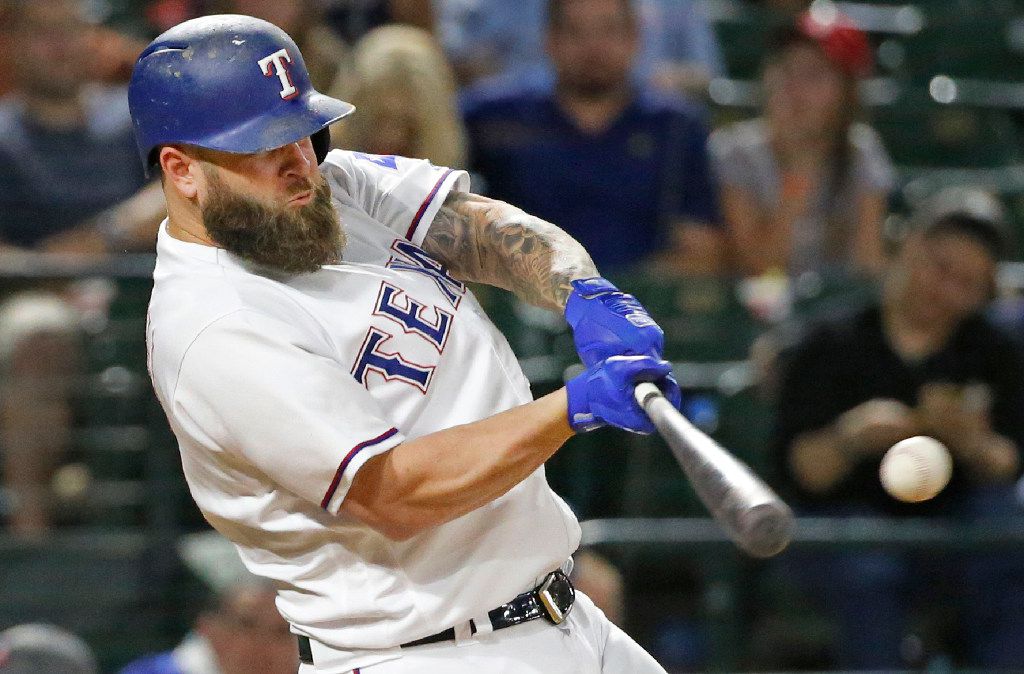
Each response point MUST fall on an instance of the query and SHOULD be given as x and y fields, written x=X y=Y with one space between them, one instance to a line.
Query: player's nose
x=298 y=159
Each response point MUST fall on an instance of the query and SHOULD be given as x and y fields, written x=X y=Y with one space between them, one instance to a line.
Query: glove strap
x=585 y=289
x=581 y=419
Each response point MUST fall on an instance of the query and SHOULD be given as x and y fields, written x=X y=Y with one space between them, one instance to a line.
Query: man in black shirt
x=922 y=361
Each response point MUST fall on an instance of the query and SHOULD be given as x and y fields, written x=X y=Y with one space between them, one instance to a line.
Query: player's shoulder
x=177 y=319
x=350 y=160
x=348 y=169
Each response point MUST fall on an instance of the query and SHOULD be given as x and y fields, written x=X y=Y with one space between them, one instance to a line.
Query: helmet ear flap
x=321 y=143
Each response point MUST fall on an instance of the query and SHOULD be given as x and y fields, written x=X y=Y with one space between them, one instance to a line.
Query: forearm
x=868 y=252
x=756 y=242
x=988 y=456
x=817 y=460
x=489 y=241
x=441 y=476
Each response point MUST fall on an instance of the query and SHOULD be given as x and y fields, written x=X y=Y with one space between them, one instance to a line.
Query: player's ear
x=180 y=170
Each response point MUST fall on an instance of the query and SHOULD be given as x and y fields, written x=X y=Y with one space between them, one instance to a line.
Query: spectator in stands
x=924 y=360
x=353 y=19
x=5 y=56
x=804 y=187
x=599 y=579
x=791 y=7
x=678 y=49
x=56 y=130
x=322 y=50
x=241 y=632
x=405 y=91
x=39 y=648
x=67 y=162
x=621 y=168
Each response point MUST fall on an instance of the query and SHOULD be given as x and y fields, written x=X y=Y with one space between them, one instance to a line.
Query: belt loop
x=483 y=625
x=463 y=632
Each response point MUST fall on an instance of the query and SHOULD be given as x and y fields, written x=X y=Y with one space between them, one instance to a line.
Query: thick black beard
x=294 y=241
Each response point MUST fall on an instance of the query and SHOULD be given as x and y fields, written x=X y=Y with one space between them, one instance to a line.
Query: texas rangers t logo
x=275 y=65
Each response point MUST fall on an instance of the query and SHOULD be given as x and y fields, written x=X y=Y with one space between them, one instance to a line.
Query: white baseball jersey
x=280 y=388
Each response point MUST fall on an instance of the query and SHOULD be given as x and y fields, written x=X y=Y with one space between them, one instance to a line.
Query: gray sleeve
x=874 y=170
x=731 y=159
x=736 y=159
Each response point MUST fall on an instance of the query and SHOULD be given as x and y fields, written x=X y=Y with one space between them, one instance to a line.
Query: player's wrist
x=581 y=417
x=603 y=393
x=584 y=289
x=607 y=322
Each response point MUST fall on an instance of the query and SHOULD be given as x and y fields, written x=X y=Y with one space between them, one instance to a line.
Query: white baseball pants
x=586 y=643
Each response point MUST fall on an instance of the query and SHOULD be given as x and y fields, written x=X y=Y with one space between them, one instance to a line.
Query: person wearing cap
x=238 y=632
x=922 y=360
x=37 y=647
x=346 y=413
x=804 y=186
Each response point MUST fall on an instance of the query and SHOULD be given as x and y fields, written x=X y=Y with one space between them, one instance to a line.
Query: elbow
x=1002 y=461
x=813 y=471
x=391 y=524
x=397 y=532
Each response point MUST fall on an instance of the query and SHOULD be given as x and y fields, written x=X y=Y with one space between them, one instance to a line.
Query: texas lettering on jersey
x=411 y=257
x=379 y=352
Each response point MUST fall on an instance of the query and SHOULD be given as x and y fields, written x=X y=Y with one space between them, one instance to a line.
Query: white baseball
x=916 y=469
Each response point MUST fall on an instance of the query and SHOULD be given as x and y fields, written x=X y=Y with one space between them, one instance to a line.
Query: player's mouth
x=301 y=199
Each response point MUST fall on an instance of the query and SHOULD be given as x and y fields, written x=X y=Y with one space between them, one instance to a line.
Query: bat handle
x=645 y=392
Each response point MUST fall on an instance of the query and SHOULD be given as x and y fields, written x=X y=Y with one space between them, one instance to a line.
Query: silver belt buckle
x=555 y=614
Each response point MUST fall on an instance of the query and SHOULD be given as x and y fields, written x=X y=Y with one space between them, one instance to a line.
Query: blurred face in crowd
x=592 y=44
x=48 y=40
x=249 y=636
x=395 y=128
x=804 y=91
x=272 y=208
x=942 y=278
x=289 y=15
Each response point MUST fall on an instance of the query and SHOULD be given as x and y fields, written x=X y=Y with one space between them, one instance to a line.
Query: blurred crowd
x=591 y=114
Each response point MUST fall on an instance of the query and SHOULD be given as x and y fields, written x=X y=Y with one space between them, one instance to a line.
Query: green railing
x=734 y=585
x=116 y=579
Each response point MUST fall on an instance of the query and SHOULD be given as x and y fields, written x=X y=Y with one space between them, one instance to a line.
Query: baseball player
x=346 y=413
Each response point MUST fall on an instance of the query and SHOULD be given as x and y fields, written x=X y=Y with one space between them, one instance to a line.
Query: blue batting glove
x=603 y=394
x=607 y=322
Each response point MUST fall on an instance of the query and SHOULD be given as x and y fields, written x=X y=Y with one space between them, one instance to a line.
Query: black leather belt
x=552 y=600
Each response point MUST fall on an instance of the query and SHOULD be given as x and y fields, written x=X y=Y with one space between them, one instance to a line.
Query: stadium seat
x=933 y=135
x=986 y=47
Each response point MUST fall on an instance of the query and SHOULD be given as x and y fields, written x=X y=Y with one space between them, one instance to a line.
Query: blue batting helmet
x=227 y=82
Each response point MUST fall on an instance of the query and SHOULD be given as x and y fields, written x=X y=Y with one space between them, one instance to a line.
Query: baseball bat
x=753 y=516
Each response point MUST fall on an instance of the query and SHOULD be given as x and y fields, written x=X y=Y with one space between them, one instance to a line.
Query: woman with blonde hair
x=404 y=92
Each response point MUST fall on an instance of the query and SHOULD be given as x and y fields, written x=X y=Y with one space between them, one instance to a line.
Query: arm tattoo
x=489 y=241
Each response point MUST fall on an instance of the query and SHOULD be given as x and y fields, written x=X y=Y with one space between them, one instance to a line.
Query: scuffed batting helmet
x=227 y=82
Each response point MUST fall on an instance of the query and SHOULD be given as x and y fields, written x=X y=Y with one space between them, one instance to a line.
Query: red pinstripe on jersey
x=348 y=459
x=425 y=204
